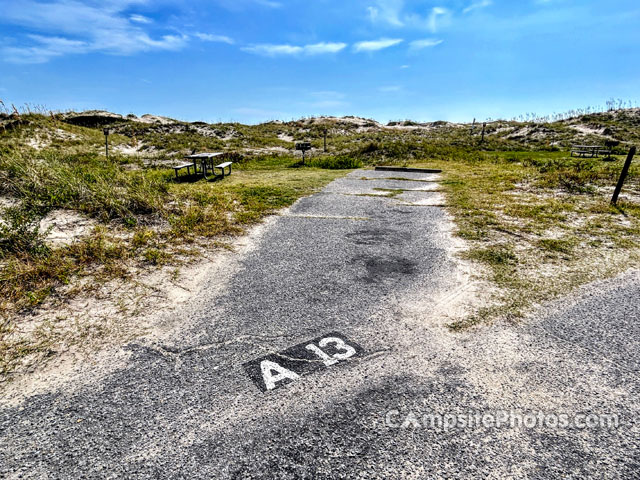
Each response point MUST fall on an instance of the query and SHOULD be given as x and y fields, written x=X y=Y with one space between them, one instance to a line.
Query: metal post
x=325 y=140
x=484 y=125
x=106 y=141
x=303 y=147
x=623 y=175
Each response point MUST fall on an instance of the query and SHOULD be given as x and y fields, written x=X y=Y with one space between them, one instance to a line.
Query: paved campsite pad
x=367 y=270
x=353 y=185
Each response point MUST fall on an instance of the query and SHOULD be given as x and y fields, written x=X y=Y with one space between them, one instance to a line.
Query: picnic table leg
x=203 y=166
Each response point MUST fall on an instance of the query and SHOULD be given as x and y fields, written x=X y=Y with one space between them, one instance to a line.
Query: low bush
x=20 y=233
x=342 y=162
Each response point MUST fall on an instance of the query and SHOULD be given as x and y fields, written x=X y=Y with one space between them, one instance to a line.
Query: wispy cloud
x=140 y=19
x=433 y=19
x=242 y=5
x=271 y=50
x=43 y=49
x=320 y=48
x=424 y=43
x=387 y=11
x=477 y=5
x=208 y=37
x=396 y=13
x=61 y=27
x=374 y=45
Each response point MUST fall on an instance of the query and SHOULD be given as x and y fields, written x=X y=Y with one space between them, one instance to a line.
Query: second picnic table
x=589 y=151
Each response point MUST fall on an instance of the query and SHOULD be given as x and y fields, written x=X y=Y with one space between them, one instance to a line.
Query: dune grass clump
x=86 y=182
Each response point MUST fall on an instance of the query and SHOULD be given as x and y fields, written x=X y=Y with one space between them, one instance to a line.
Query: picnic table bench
x=222 y=166
x=591 y=151
x=206 y=161
x=187 y=165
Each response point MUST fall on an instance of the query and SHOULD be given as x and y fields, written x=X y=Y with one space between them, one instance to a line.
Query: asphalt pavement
x=319 y=352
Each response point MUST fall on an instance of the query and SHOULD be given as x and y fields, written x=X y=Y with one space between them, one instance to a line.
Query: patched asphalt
x=372 y=269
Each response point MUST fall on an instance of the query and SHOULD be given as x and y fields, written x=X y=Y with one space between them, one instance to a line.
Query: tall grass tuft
x=85 y=182
x=20 y=233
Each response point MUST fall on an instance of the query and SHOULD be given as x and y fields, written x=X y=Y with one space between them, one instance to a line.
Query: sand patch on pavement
x=82 y=335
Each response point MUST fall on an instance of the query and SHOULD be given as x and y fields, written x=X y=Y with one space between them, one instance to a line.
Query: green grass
x=540 y=223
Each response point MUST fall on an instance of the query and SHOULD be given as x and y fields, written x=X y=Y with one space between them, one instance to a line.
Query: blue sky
x=258 y=60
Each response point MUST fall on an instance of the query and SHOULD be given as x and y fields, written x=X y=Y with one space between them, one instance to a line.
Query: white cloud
x=324 y=47
x=271 y=50
x=432 y=20
x=390 y=88
x=479 y=4
x=73 y=27
x=374 y=45
x=243 y=5
x=424 y=43
x=387 y=11
x=44 y=49
x=397 y=14
x=208 y=37
x=140 y=19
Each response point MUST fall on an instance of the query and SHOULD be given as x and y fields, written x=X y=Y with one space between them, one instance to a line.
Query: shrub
x=342 y=162
x=20 y=233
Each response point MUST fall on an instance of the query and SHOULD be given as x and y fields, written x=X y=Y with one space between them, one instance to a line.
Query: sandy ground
x=91 y=326
x=63 y=227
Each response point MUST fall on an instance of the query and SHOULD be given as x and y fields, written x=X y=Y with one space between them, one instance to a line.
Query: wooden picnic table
x=206 y=162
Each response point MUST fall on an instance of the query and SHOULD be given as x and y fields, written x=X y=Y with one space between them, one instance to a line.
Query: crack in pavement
x=328 y=217
x=172 y=352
